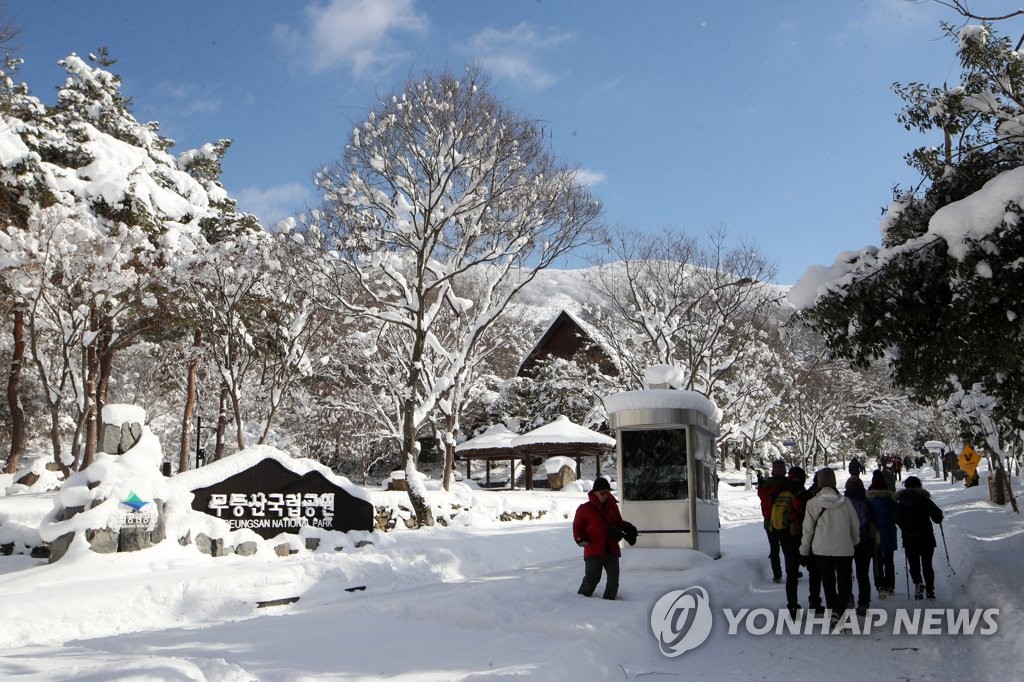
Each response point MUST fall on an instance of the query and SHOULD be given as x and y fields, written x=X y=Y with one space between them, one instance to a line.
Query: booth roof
x=563 y=431
x=934 y=444
x=655 y=398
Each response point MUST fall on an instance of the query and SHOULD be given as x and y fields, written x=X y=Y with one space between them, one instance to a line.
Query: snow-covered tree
x=669 y=299
x=441 y=179
x=940 y=301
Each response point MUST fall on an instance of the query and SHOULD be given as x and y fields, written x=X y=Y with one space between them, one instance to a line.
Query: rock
x=133 y=539
x=207 y=545
x=28 y=479
x=59 y=547
x=102 y=540
x=247 y=548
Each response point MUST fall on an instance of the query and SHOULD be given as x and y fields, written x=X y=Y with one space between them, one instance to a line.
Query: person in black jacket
x=814 y=602
x=915 y=513
x=766 y=492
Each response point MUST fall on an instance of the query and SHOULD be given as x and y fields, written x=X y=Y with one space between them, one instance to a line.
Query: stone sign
x=270 y=499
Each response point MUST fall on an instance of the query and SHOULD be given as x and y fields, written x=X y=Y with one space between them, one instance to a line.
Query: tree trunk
x=420 y=506
x=190 y=402
x=89 y=413
x=14 y=393
x=105 y=365
x=222 y=421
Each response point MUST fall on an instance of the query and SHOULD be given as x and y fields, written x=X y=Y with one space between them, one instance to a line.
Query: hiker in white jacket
x=831 y=529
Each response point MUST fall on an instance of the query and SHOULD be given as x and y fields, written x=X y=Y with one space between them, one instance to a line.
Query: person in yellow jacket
x=969 y=460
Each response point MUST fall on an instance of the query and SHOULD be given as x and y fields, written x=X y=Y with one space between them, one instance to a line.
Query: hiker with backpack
x=831 y=529
x=597 y=528
x=813 y=576
x=766 y=493
x=915 y=513
x=863 y=551
x=786 y=523
x=883 y=506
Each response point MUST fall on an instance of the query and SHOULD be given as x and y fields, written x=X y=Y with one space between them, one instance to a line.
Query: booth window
x=654 y=464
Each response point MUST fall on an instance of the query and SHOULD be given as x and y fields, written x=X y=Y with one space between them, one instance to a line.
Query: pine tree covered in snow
x=939 y=302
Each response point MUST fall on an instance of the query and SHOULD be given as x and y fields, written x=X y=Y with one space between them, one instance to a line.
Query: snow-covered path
x=483 y=604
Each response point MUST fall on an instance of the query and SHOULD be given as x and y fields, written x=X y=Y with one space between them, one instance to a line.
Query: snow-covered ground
x=486 y=601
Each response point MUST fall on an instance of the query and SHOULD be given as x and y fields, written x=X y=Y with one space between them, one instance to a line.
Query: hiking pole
x=948 y=562
x=944 y=547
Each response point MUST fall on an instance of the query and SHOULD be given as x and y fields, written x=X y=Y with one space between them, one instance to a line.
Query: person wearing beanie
x=767 y=490
x=590 y=529
x=831 y=529
x=799 y=476
x=883 y=507
x=915 y=513
x=889 y=477
x=863 y=551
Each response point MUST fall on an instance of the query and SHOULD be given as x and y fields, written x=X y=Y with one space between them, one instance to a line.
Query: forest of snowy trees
x=400 y=306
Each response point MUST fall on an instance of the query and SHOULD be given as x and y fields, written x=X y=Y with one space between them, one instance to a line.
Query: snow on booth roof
x=496 y=436
x=562 y=431
x=663 y=398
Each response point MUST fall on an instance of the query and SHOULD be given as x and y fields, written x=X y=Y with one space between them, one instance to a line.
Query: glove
x=581 y=543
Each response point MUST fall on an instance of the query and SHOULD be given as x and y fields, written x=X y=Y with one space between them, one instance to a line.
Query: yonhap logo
x=681 y=620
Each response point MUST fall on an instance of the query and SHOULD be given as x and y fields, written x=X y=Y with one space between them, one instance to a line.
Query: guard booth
x=667 y=481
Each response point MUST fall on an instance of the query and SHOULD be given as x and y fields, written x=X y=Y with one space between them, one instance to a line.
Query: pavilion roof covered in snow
x=558 y=438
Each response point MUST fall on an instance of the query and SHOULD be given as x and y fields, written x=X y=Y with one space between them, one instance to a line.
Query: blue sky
x=775 y=119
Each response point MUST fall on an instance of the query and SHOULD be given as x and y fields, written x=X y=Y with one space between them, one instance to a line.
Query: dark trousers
x=885 y=570
x=813 y=583
x=774 y=550
x=836 y=581
x=790 y=545
x=592 y=576
x=862 y=556
x=919 y=559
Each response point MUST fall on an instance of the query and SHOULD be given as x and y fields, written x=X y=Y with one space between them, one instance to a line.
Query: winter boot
x=883 y=593
x=919 y=591
x=929 y=594
x=793 y=610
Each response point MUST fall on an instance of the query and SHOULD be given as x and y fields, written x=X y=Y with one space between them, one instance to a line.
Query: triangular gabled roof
x=566 y=336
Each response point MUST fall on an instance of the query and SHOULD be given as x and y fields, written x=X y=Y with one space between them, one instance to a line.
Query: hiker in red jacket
x=590 y=530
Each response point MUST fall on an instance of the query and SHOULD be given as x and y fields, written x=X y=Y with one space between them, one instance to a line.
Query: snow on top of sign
x=118 y=414
x=656 y=398
x=496 y=436
x=934 y=444
x=562 y=431
x=222 y=469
